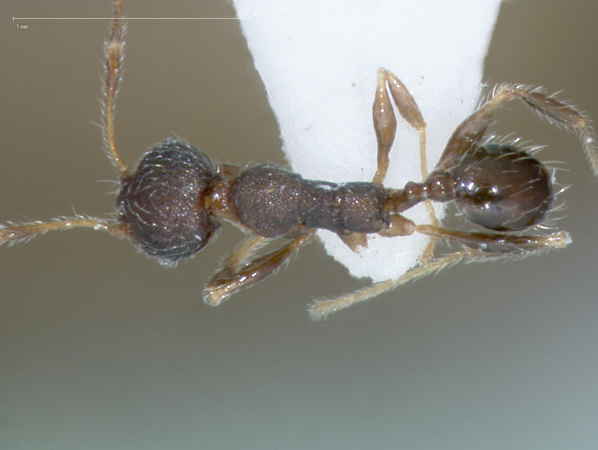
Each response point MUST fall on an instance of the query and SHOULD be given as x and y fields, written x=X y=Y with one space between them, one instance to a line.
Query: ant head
x=162 y=203
x=502 y=188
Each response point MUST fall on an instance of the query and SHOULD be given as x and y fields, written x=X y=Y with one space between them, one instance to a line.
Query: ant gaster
x=171 y=204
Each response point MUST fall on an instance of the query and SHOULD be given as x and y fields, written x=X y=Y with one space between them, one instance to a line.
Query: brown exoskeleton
x=170 y=205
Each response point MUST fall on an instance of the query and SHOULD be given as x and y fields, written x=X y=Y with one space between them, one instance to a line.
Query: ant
x=171 y=204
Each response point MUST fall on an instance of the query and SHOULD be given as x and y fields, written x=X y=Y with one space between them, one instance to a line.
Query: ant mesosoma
x=171 y=204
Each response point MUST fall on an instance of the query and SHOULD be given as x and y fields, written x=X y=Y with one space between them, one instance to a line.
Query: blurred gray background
x=101 y=348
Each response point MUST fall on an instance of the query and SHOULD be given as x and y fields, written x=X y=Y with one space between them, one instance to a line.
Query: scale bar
x=125 y=18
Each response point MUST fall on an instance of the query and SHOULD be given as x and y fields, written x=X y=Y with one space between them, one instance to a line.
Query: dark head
x=162 y=203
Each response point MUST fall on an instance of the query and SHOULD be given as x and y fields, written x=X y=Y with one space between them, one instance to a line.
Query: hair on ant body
x=171 y=205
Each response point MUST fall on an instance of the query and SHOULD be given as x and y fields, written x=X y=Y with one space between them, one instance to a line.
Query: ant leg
x=114 y=50
x=320 y=309
x=480 y=246
x=469 y=133
x=385 y=122
x=18 y=233
x=233 y=262
x=238 y=273
x=385 y=126
x=500 y=244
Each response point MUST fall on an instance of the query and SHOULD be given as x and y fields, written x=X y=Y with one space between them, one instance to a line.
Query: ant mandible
x=170 y=205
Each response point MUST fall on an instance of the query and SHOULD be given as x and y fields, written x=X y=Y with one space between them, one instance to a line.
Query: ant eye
x=162 y=202
x=502 y=188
